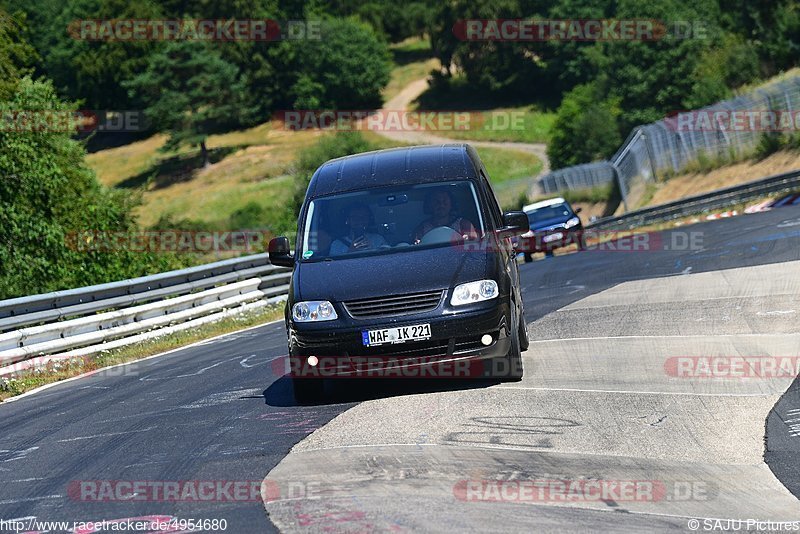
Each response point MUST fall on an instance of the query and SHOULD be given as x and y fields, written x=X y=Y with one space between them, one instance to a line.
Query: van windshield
x=391 y=219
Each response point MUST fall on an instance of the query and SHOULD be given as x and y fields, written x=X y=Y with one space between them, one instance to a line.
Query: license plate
x=399 y=334
x=552 y=237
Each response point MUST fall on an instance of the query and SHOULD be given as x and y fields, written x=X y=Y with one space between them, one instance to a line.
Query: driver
x=358 y=217
x=439 y=204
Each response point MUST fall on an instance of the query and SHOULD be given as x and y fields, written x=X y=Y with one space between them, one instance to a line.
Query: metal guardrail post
x=623 y=190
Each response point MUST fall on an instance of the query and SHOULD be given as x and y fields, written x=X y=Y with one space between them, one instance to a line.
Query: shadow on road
x=353 y=390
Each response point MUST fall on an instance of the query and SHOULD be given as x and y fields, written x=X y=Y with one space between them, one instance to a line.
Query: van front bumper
x=456 y=348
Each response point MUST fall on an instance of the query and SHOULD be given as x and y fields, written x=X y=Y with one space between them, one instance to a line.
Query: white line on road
x=680 y=336
x=245 y=363
x=17 y=454
x=644 y=392
x=31 y=499
x=196 y=373
x=106 y=435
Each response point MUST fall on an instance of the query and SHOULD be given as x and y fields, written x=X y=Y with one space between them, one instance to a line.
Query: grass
x=522 y=124
x=248 y=165
x=510 y=172
x=58 y=371
x=507 y=165
x=650 y=190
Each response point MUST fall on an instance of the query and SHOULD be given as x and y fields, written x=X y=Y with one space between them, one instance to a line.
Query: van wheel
x=308 y=389
x=528 y=258
x=524 y=343
x=513 y=359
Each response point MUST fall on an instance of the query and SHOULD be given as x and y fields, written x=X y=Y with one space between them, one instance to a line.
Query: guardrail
x=720 y=198
x=41 y=328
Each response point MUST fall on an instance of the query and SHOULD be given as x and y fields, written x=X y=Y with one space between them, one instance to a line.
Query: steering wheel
x=441 y=234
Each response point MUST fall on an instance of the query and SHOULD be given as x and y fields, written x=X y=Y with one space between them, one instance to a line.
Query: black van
x=403 y=267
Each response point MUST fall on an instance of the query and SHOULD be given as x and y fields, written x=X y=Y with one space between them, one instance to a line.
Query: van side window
x=494 y=207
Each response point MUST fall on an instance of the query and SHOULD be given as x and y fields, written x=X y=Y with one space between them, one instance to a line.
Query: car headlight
x=572 y=222
x=313 y=310
x=474 y=292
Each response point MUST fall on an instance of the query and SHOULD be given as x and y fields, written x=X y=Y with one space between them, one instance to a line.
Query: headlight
x=313 y=310
x=474 y=292
x=572 y=222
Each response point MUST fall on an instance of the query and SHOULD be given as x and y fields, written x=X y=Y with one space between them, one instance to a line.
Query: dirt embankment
x=693 y=184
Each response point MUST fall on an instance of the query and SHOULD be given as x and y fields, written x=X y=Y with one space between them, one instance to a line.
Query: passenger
x=440 y=205
x=358 y=217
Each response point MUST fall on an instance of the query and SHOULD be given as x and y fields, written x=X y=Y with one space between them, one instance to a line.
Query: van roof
x=543 y=204
x=394 y=166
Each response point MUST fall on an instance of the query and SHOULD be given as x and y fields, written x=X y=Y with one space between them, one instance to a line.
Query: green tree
x=586 y=128
x=48 y=195
x=17 y=56
x=88 y=71
x=488 y=65
x=730 y=65
x=771 y=28
x=346 y=68
x=191 y=92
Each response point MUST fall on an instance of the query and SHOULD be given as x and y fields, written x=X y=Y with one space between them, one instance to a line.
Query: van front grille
x=394 y=305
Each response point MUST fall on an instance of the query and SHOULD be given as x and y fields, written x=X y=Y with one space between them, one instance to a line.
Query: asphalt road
x=598 y=402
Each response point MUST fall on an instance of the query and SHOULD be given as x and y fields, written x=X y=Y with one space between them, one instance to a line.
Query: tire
x=514 y=360
x=549 y=253
x=308 y=389
x=511 y=363
x=528 y=257
x=524 y=343
x=581 y=243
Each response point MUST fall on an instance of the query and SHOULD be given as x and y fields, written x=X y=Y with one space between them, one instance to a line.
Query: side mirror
x=578 y=210
x=514 y=223
x=280 y=253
